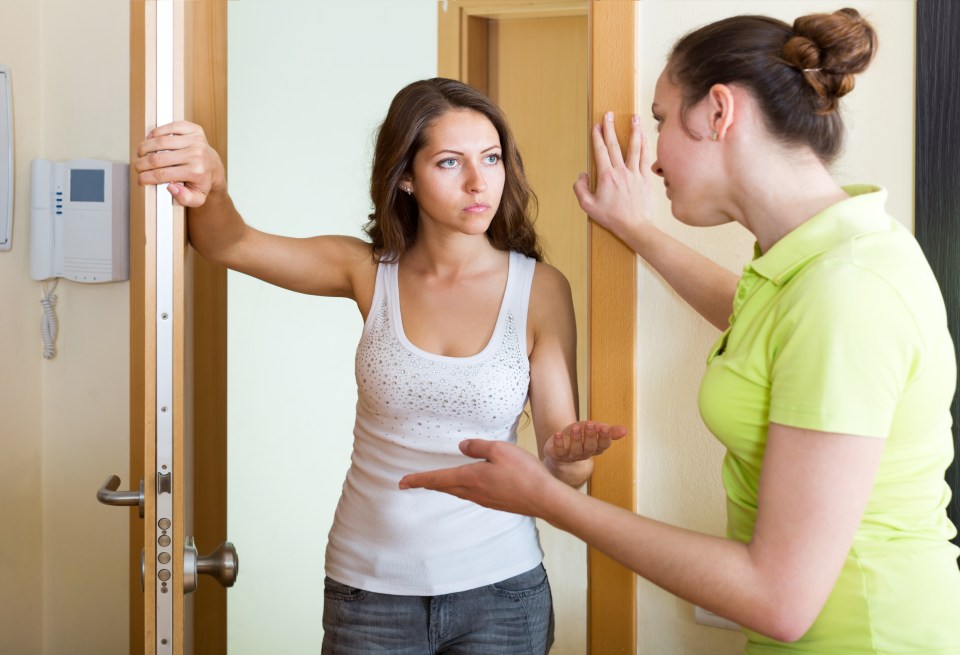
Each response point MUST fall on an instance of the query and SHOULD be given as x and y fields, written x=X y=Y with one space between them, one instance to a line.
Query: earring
x=408 y=190
x=714 y=136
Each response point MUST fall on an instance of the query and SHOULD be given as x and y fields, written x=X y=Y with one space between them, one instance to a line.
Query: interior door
x=177 y=350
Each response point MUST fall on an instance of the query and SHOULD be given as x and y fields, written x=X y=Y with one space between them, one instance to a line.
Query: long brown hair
x=797 y=73
x=393 y=224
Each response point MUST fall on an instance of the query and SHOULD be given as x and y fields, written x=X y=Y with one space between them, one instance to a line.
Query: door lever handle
x=223 y=565
x=108 y=494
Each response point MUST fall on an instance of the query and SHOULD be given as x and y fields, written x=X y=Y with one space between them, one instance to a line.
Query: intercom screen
x=86 y=185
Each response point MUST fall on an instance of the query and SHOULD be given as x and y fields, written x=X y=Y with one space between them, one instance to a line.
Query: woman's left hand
x=581 y=440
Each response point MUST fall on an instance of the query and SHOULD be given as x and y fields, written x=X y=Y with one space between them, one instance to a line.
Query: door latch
x=108 y=494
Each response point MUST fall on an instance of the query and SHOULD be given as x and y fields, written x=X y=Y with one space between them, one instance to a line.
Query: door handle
x=223 y=565
x=108 y=494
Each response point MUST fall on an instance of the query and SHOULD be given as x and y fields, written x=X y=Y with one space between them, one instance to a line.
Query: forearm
x=705 y=285
x=718 y=574
x=216 y=229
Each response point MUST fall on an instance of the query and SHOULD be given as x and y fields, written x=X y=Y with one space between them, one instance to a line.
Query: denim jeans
x=511 y=617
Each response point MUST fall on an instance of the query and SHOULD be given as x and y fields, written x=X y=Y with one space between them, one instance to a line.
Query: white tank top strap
x=379 y=294
x=522 y=269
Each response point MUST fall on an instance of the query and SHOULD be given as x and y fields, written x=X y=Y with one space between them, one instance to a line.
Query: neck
x=451 y=255
x=778 y=194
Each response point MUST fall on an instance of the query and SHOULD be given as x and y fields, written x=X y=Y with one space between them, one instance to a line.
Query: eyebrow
x=457 y=152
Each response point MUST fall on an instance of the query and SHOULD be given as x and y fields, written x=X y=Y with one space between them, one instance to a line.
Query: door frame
x=612 y=323
x=462 y=55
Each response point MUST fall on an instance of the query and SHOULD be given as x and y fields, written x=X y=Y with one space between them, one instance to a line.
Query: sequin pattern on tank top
x=436 y=398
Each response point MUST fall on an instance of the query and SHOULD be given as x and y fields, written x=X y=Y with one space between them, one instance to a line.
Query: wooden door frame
x=205 y=102
x=611 y=587
x=613 y=273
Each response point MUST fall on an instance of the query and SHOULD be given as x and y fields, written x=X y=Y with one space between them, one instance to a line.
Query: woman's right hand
x=178 y=155
x=623 y=199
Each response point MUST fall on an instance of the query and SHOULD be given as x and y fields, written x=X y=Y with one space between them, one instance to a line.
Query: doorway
x=535 y=68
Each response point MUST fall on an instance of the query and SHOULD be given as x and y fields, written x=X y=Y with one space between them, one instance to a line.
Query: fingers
x=610 y=141
x=636 y=147
x=439 y=480
x=582 y=440
x=581 y=189
x=601 y=155
x=479 y=448
x=186 y=196
x=177 y=127
x=646 y=153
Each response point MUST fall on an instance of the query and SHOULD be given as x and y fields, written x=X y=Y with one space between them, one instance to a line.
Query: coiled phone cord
x=48 y=322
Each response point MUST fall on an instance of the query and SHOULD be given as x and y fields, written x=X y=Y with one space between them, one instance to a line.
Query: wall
x=21 y=539
x=678 y=461
x=63 y=557
x=307 y=91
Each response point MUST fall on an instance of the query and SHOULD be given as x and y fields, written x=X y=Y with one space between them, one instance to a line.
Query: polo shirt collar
x=837 y=223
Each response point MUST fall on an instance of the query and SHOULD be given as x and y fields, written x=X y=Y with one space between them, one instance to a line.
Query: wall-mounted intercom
x=6 y=160
x=78 y=220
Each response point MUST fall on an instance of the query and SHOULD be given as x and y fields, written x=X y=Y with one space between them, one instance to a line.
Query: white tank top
x=413 y=409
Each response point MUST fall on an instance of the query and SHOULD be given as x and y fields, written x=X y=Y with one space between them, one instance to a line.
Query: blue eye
x=492 y=159
x=447 y=163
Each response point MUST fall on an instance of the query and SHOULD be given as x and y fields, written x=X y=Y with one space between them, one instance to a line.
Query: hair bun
x=829 y=49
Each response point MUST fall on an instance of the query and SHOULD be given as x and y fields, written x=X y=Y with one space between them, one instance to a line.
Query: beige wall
x=63 y=557
x=678 y=461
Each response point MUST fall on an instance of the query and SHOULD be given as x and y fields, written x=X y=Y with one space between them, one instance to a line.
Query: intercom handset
x=78 y=220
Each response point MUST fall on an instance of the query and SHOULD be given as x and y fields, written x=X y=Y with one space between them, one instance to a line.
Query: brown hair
x=393 y=224
x=797 y=74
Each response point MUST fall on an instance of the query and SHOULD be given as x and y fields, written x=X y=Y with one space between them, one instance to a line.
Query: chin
x=696 y=219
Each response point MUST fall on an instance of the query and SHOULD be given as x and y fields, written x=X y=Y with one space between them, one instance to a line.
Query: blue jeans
x=511 y=617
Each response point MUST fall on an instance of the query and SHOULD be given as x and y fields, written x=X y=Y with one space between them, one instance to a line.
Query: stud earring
x=714 y=136
x=407 y=189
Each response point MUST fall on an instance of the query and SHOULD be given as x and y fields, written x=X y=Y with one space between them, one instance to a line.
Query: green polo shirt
x=841 y=327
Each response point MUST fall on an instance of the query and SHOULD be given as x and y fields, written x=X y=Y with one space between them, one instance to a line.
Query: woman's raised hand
x=582 y=440
x=178 y=155
x=624 y=195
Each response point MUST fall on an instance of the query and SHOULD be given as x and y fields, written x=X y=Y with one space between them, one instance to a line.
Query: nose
x=656 y=168
x=474 y=182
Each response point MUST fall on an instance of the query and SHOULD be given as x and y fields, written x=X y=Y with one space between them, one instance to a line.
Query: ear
x=406 y=184
x=721 y=101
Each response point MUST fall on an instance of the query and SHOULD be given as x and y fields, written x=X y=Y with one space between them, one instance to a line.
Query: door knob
x=108 y=494
x=222 y=564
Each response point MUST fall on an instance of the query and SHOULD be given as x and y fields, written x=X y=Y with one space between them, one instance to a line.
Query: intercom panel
x=79 y=220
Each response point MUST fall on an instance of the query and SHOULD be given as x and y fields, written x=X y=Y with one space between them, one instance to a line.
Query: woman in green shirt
x=831 y=384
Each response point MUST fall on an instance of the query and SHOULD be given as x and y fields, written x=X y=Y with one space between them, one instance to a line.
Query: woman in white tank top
x=463 y=324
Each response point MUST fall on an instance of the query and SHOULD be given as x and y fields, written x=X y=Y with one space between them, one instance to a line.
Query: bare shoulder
x=551 y=300
x=352 y=250
x=549 y=285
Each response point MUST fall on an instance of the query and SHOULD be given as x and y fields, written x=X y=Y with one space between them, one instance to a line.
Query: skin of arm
x=565 y=451
x=813 y=491
x=178 y=154
x=622 y=203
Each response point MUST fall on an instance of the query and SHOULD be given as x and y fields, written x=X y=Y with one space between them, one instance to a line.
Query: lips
x=476 y=209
